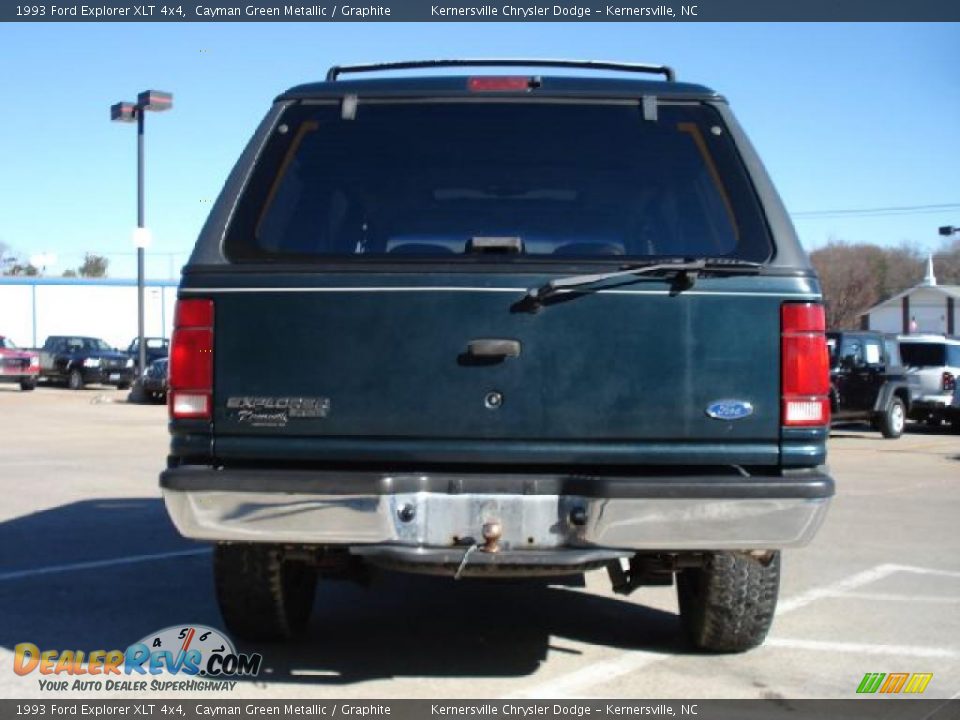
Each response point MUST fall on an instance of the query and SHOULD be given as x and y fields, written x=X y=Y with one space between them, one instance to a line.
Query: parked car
x=156 y=348
x=18 y=366
x=868 y=382
x=154 y=380
x=80 y=361
x=935 y=361
x=500 y=326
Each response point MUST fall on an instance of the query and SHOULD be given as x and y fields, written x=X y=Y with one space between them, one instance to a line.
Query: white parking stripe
x=593 y=674
x=606 y=670
x=926 y=571
x=841 y=586
x=862 y=648
x=129 y=560
x=893 y=597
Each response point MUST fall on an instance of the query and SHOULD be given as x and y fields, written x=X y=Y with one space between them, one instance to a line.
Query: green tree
x=94 y=266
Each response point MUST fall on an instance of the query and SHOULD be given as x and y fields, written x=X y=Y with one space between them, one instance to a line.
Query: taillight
x=191 y=360
x=805 y=365
x=500 y=83
x=949 y=382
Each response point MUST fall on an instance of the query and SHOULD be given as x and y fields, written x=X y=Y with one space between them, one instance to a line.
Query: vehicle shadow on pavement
x=54 y=595
x=409 y=625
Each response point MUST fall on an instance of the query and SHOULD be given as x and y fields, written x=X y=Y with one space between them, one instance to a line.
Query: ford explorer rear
x=500 y=326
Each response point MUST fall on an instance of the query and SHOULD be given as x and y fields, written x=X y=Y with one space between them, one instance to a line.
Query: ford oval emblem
x=729 y=409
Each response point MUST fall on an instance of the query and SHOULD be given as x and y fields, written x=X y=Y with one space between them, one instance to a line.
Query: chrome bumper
x=529 y=521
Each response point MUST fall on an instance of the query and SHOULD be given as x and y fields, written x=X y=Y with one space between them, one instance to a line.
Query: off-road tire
x=75 y=380
x=263 y=596
x=893 y=419
x=28 y=385
x=727 y=605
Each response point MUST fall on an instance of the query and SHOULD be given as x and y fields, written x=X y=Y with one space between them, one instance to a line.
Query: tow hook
x=492 y=532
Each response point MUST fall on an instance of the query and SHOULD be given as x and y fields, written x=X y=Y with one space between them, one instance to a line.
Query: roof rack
x=334 y=72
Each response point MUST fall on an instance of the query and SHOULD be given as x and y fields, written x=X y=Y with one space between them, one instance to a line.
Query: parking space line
x=926 y=571
x=604 y=671
x=893 y=597
x=593 y=674
x=862 y=648
x=852 y=582
x=607 y=670
x=72 y=567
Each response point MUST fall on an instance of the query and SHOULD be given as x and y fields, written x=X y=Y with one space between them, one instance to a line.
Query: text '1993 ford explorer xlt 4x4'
x=495 y=326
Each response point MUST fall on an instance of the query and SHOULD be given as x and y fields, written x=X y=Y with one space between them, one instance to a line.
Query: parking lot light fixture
x=127 y=112
x=947 y=230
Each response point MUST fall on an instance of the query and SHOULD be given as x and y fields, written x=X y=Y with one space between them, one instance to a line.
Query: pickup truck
x=503 y=325
x=79 y=361
x=18 y=366
x=155 y=348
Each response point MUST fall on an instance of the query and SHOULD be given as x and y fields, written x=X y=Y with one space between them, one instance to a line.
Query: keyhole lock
x=493 y=400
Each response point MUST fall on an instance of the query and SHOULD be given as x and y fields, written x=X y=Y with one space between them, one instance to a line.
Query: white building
x=31 y=308
x=925 y=308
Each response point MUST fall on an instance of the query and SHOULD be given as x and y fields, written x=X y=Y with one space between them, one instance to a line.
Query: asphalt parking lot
x=88 y=560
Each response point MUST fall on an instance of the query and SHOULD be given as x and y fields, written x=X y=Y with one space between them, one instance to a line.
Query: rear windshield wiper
x=685 y=271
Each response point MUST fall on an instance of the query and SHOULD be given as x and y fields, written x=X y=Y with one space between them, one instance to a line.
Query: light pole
x=154 y=101
x=947 y=230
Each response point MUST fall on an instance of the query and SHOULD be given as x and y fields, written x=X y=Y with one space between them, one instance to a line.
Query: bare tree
x=947 y=263
x=848 y=277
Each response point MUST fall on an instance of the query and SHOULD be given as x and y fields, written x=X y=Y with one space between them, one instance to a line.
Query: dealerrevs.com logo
x=180 y=657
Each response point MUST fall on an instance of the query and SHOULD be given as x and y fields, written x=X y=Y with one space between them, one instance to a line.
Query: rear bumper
x=536 y=512
x=925 y=404
x=15 y=374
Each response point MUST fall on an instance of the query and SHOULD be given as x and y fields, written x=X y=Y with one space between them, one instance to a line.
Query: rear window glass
x=553 y=179
x=923 y=354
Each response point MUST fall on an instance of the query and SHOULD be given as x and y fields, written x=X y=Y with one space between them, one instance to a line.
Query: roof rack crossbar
x=337 y=70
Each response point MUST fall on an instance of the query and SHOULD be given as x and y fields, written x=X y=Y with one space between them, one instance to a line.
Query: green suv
x=500 y=325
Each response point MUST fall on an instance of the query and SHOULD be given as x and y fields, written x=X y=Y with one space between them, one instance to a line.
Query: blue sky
x=844 y=115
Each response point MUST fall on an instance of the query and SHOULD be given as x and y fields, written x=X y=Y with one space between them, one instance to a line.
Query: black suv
x=494 y=326
x=868 y=382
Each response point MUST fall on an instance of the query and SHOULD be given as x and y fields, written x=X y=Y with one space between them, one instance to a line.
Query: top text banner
x=460 y=11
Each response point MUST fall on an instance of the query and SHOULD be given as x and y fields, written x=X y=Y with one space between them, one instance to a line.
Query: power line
x=877 y=211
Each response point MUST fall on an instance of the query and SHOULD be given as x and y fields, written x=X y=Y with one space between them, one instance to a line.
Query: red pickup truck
x=18 y=366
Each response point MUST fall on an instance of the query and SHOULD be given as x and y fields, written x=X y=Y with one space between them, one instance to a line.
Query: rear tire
x=894 y=419
x=263 y=596
x=75 y=380
x=727 y=605
x=28 y=385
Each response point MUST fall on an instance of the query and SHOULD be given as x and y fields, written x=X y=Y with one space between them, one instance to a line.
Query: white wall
x=104 y=310
x=928 y=308
x=16 y=313
x=887 y=319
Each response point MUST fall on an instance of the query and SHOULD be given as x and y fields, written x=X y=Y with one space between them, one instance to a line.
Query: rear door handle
x=493 y=348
